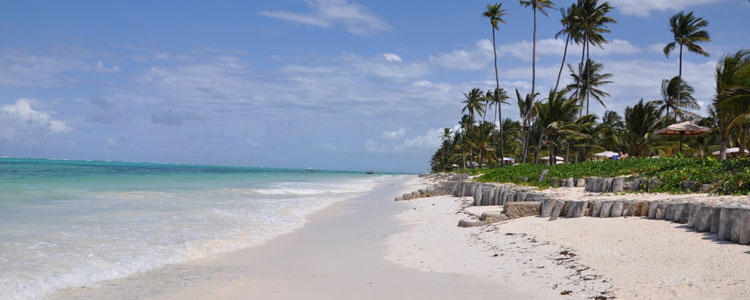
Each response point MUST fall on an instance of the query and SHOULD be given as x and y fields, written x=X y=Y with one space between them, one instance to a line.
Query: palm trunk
x=567 y=152
x=497 y=88
x=533 y=56
x=588 y=70
x=526 y=142
x=538 y=146
x=580 y=75
x=679 y=83
x=565 y=54
x=724 y=137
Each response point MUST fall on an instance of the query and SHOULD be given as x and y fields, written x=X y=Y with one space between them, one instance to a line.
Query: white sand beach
x=374 y=248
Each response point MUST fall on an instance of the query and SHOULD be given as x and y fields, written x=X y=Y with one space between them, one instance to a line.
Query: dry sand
x=633 y=258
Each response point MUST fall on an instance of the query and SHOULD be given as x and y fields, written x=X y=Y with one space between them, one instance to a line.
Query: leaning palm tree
x=539 y=5
x=672 y=99
x=495 y=13
x=590 y=78
x=687 y=32
x=591 y=20
x=474 y=103
x=570 y=32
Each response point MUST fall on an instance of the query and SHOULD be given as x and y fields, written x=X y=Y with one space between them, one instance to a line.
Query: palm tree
x=669 y=97
x=640 y=122
x=687 y=32
x=447 y=134
x=495 y=99
x=570 y=31
x=495 y=13
x=527 y=113
x=557 y=118
x=474 y=103
x=539 y=5
x=732 y=92
x=607 y=134
x=591 y=20
x=590 y=79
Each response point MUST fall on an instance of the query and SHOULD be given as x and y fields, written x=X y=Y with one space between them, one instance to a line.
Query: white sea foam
x=107 y=235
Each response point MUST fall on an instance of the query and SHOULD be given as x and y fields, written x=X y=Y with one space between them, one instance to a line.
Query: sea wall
x=730 y=222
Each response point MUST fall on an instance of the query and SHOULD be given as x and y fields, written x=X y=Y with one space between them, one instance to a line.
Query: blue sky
x=332 y=84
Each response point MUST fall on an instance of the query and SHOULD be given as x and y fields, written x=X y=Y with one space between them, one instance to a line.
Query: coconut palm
x=527 y=113
x=570 y=32
x=474 y=103
x=607 y=134
x=447 y=134
x=732 y=91
x=539 y=5
x=589 y=79
x=557 y=118
x=687 y=31
x=641 y=120
x=495 y=13
x=591 y=19
x=670 y=90
x=495 y=100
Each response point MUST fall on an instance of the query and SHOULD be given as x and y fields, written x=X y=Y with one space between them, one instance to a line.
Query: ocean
x=67 y=223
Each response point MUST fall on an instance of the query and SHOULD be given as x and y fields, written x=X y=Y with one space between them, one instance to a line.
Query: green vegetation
x=726 y=177
x=560 y=124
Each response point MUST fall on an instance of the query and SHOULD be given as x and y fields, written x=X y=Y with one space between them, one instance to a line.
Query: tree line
x=560 y=122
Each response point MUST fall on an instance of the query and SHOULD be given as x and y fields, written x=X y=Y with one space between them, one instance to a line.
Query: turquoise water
x=75 y=223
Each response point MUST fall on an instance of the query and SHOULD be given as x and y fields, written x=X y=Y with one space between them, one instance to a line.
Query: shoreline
x=371 y=247
x=338 y=254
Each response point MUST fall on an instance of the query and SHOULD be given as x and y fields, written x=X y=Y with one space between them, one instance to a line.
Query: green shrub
x=726 y=177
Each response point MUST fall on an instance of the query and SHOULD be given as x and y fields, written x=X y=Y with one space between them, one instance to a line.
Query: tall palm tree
x=670 y=91
x=590 y=79
x=570 y=31
x=474 y=103
x=527 y=113
x=640 y=122
x=539 y=5
x=732 y=92
x=591 y=20
x=687 y=31
x=495 y=13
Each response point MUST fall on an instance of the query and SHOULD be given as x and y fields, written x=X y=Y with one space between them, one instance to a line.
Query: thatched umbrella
x=687 y=128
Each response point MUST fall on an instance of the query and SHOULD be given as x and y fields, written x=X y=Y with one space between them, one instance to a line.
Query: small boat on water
x=309 y=169
x=368 y=172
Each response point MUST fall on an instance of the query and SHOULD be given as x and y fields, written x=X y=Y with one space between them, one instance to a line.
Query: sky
x=328 y=84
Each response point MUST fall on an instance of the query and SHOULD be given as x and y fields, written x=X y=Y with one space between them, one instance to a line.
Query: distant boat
x=368 y=172
x=309 y=169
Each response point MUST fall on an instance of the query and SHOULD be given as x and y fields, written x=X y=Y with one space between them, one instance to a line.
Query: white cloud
x=392 y=135
x=471 y=59
x=554 y=47
x=19 y=123
x=103 y=69
x=325 y=13
x=657 y=47
x=393 y=142
x=643 y=8
x=392 y=57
